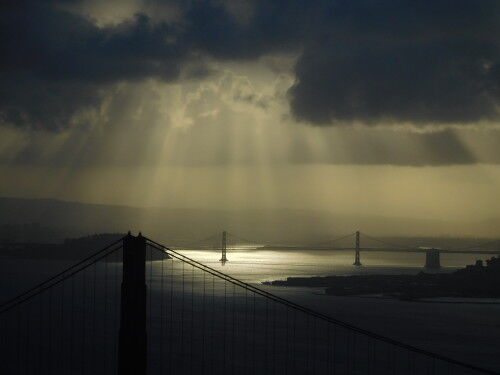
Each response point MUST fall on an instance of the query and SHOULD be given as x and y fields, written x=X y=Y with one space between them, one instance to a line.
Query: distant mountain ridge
x=286 y=226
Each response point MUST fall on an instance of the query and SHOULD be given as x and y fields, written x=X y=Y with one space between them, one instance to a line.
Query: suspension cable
x=64 y=275
x=308 y=311
x=336 y=239
x=386 y=242
x=2 y=306
x=478 y=245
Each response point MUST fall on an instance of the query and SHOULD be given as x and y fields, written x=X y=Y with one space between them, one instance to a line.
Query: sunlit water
x=256 y=266
x=467 y=331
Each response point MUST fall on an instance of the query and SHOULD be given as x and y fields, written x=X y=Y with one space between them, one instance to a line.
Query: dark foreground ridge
x=473 y=281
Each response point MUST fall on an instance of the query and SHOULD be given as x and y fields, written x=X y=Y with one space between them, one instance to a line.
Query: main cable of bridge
x=227 y=278
x=330 y=241
x=399 y=246
x=387 y=243
x=336 y=239
x=478 y=245
x=61 y=276
x=112 y=248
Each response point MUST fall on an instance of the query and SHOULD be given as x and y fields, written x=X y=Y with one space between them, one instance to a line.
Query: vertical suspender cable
x=171 y=326
x=274 y=338
x=71 y=324
x=388 y=358
x=224 y=330
x=3 y=338
x=105 y=326
x=266 y=339
x=409 y=362
x=150 y=294
x=149 y=301
x=182 y=320
x=50 y=334
x=162 y=296
x=116 y=303
x=287 y=338
x=294 y=340
x=233 y=335
x=314 y=346
x=233 y=339
x=62 y=330
x=203 y=313
x=94 y=307
x=369 y=351
x=18 y=318
x=334 y=350
x=308 y=344
x=40 y=333
x=354 y=353
x=349 y=353
x=28 y=350
x=192 y=335
x=246 y=327
x=254 y=335
x=212 y=330
x=84 y=287
x=329 y=350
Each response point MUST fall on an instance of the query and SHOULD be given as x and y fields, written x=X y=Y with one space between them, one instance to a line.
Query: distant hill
x=285 y=226
x=72 y=248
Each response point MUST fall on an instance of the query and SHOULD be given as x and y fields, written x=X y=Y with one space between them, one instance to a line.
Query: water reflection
x=256 y=266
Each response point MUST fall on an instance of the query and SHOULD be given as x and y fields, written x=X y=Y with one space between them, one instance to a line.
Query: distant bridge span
x=432 y=253
x=387 y=249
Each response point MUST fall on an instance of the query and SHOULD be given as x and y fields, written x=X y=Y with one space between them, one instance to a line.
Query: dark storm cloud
x=39 y=37
x=55 y=63
x=359 y=60
x=423 y=62
x=418 y=61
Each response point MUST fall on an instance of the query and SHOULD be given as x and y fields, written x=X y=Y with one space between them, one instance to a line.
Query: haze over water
x=256 y=266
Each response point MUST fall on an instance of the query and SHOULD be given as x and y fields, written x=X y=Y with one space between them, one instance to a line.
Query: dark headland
x=473 y=281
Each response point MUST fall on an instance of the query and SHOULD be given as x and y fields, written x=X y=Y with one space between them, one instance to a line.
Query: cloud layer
x=426 y=62
x=405 y=61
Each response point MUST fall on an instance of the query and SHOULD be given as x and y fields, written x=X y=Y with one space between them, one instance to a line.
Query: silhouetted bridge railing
x=137 y=307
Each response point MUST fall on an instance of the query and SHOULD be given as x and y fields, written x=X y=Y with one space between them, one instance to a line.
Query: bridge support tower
x=223 y=259
x=357 y=260
x=132 y=350
x=432 y=259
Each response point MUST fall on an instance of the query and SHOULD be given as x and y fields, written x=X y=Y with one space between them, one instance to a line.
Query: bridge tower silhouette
x=432 y=259
x=357 y=260
x=223 y=259
x=132 y=346
x=137 y=307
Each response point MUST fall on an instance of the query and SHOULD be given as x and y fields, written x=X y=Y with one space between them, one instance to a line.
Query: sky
x=382 y=108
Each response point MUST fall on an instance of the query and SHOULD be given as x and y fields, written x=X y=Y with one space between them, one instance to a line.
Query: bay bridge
x=222 y=241
x=141 y=307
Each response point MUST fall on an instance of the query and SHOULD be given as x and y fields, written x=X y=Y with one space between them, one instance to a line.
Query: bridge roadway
x=11 y=245
x=384 y=249
x=421 y=250
x=374 y=249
